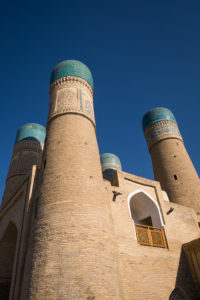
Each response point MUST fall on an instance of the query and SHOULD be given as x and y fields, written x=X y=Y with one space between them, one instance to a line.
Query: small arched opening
x=7 y=255
x=147 y=219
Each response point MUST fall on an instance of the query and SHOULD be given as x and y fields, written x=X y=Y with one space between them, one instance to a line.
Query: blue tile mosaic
x=160 y=130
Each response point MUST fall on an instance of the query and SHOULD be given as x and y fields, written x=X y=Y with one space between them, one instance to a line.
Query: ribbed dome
x=31 y=131
x=71 y=68
x=157 y=114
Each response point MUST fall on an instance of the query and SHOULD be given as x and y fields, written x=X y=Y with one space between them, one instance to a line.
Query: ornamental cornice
x=71 y=80
x=160 y=123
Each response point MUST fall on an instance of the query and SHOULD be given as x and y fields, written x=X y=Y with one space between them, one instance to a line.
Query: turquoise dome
x=157 y=114
x=110 y=159
x=109 y=163
x=71 y=68
x=31 y=131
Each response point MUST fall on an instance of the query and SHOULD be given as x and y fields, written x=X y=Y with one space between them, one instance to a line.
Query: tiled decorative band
x=161 y=130
x=71 y=95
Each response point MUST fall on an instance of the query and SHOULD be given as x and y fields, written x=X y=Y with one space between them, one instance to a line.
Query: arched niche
x=144 y=210
x=7 y=255
x=147 y=218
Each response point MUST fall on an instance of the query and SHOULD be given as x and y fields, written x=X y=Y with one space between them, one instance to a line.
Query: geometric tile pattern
x=71 y=96
x=160 y=130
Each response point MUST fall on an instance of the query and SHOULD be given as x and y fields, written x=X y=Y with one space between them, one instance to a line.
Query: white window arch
x=147 y=218
x=141 y=206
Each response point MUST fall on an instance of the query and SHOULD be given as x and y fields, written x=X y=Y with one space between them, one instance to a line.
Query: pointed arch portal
x=147 y=218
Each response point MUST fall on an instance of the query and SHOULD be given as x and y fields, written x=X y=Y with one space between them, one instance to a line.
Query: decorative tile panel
x=71 y=95
x=161 y=130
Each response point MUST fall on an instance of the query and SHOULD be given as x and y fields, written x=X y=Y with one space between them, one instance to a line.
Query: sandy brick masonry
x=25 y=154
x=150 y=272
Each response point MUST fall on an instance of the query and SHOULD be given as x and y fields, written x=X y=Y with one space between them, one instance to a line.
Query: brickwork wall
x=149 y=272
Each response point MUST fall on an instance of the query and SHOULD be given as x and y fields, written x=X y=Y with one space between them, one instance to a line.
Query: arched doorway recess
x=147 y=218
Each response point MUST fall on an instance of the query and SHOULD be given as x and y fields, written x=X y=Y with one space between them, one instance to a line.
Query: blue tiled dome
x=157 y=114
x=71 y=68
x=110 y=159
x=109 y=163
x=31 y=131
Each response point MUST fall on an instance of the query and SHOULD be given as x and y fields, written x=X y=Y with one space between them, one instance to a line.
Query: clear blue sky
x=142 y=54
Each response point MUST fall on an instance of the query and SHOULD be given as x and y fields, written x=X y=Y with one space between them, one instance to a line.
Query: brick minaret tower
x=21 y=179
x=172 y=165
x=27 y=152
x=74 y=254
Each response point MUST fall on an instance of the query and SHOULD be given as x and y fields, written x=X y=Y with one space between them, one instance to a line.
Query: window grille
x=150 y=236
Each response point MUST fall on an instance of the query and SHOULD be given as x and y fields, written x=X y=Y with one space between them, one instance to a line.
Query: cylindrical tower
x=172 y=165
x=74 y=253
x=109 y=163
x=27 y=152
